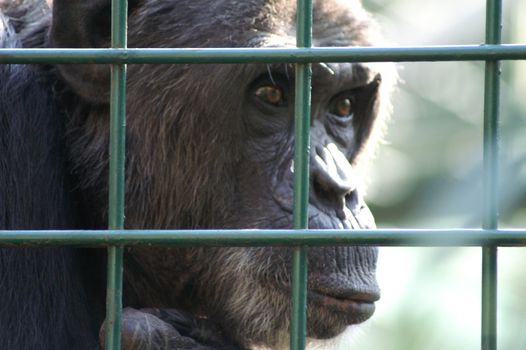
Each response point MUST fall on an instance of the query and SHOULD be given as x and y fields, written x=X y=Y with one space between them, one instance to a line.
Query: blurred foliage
x=428 y=174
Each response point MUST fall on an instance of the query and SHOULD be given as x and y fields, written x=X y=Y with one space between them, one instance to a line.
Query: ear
x=84 y=24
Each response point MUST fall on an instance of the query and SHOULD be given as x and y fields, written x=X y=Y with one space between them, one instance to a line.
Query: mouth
x=348 y=306
x=354 y=307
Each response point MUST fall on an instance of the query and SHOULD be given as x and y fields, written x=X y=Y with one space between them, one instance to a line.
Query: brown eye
x=270 y=94
x=342 y=107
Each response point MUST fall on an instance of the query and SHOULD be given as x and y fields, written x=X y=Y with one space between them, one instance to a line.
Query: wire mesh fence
x=489 y=237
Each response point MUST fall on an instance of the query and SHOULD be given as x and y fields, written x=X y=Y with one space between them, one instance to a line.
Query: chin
x=343 y=341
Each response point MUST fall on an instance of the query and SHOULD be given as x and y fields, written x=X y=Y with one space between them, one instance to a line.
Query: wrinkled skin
x=211 y=146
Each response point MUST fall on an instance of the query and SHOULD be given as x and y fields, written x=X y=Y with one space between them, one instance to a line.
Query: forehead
x=247 y=23
x=335 y=24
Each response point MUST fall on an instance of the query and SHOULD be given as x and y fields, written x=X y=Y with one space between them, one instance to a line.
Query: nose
x=332 y=176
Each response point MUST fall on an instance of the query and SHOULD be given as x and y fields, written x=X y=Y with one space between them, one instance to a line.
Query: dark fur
x=43 y=294
x=200 y=154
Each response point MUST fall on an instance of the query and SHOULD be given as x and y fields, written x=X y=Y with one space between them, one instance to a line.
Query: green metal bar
x=491 y=165
x=290 y=237
x=489 y=298
x=119 y=10
x=298 y=328
x=491 y=118
x=114 y=299
x=267 y=55
x=302 y=108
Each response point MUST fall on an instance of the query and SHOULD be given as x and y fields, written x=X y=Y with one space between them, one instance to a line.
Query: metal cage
x=489 y=237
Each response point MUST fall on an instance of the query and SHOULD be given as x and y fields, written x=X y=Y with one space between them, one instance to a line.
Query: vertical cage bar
x=116 y=188
x=298 y=329
x=489 y=299
x=491 y=165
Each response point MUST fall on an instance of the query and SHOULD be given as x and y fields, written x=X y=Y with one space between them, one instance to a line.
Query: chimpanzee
x=208 y=146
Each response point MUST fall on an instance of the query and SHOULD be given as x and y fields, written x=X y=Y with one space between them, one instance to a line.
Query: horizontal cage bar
x=266 y=55
x=285 y=237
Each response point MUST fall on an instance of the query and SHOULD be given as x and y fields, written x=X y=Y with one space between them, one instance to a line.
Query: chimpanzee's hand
x=168 y=329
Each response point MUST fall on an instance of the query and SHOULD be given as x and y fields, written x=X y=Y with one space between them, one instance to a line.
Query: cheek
x=329 y=267
x=343 y=135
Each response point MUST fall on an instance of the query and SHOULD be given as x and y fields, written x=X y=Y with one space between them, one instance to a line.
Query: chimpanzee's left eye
x=342 y=107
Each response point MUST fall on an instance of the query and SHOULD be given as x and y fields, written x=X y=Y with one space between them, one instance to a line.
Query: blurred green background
x=428 y=174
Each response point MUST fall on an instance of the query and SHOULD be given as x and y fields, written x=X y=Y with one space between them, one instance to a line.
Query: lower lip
x=358 y=310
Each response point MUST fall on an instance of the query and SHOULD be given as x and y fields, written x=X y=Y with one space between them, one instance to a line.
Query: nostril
x=328 y=194
x=331 y=183
x=325 y=196
x=353 y=202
